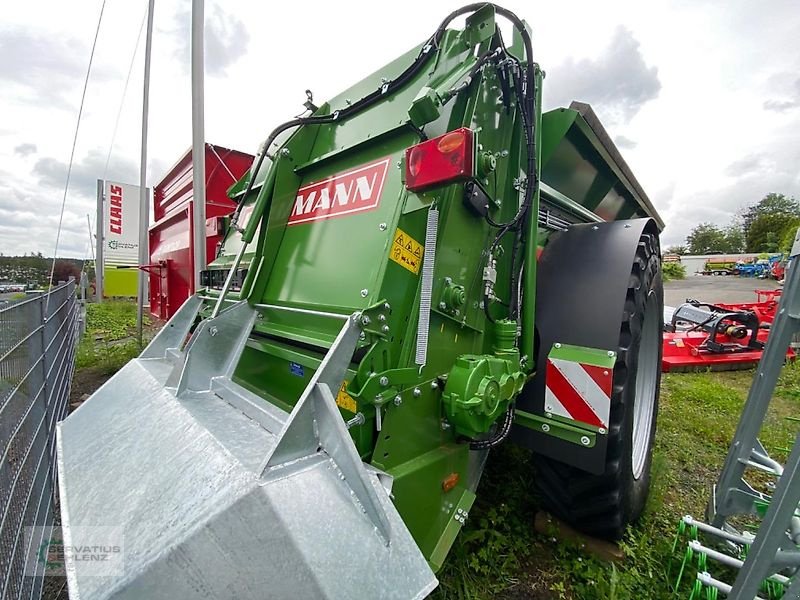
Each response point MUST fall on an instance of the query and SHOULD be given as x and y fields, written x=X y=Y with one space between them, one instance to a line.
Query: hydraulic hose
x=426 y=52
x=525 y=88
x=358 y=106
x=500 y=435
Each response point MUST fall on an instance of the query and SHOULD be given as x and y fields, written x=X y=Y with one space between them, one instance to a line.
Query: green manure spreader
x=419 y=270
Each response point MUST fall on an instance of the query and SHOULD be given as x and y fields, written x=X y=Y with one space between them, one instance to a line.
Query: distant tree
x=734 y=239
x=773 y=213
x=771 y=204
x=787 y=241
x=64 y=269
x=706 y=238
x=766 y=231
x=679 y=250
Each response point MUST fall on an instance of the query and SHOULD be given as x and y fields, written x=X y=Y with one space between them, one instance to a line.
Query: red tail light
x=444 y=159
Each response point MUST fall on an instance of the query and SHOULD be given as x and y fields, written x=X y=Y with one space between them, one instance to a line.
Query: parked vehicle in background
x=671 y=258
x=778 y=269
x=744 y=269
x=720 y=266
x=763 y=267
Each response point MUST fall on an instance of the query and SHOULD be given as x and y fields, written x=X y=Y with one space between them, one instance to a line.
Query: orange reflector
x=449 y=482
x=451 y=141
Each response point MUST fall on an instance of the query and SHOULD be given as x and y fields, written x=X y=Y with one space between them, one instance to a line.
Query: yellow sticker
x=345 y=400
x=406 y=251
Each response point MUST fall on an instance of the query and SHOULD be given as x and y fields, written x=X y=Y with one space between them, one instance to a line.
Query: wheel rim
x=647 y=373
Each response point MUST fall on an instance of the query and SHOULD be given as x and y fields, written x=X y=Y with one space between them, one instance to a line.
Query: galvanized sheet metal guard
x=223 y=495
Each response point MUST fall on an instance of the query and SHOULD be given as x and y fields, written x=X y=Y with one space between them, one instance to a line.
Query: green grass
x=109 y=339
x=499 y=555
x=112 y=320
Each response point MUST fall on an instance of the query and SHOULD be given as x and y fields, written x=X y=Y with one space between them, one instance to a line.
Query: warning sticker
x=345 y=400
x=406 y=251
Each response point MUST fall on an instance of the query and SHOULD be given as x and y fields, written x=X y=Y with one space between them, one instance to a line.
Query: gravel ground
x=708 y=288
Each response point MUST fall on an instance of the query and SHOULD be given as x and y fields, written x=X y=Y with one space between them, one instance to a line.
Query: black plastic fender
x=582 y=280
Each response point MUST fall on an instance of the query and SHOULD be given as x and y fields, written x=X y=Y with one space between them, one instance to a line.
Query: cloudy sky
x=701 y=96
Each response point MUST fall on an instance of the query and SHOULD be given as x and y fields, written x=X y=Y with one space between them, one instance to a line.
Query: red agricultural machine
x=719 y=336
x=171 y=266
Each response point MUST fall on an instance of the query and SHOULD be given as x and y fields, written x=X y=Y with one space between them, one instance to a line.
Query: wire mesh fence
x=37 y=355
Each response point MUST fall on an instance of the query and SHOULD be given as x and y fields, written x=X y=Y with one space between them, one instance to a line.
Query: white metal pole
x=91 y=249
x=98 y=255
x=198 y=143
x=144 y=213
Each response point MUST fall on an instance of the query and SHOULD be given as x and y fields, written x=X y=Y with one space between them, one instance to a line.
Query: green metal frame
x=300 y=277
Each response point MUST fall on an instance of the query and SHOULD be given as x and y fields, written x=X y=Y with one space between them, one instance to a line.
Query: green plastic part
x=697 y=590
x=425 y=107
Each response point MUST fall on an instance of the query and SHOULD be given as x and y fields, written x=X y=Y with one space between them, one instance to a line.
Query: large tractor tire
x=604 y=505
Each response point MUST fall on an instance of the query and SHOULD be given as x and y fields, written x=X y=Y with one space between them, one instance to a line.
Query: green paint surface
x=342 y=265
x=119 y=283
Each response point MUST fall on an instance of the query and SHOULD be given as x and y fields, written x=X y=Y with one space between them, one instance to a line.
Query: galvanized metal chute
x=217 y=491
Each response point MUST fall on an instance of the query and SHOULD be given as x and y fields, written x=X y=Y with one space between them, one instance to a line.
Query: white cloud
x=624 y=142
x=702 y=102
x=617 y=82
x=25 y=149
x=226 y=39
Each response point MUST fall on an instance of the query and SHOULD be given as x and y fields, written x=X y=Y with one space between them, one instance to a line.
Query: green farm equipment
x=721 y=266
x=422 y=268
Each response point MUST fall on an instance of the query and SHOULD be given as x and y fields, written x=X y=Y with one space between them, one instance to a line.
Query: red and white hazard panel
x=577 y=389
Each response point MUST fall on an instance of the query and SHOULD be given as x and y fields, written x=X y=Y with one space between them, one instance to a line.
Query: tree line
x=768 y=226
x=34 y=269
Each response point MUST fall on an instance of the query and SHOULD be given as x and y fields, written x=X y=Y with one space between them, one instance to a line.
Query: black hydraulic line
x=426 y=52
x=517 y=219
x=526 y=93
x=513 y=311
x=486 y=311
x=423 y=137
x=514 y=225
x=479 y=64
x=526 y=96
x=340 y=115
x=532 y=182
x=500 y=435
